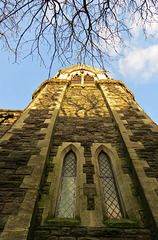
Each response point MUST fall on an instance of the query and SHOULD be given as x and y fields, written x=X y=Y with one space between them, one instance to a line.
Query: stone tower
x=80 y=162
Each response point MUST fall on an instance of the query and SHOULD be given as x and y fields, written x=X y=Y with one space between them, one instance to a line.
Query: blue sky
x=137 y=67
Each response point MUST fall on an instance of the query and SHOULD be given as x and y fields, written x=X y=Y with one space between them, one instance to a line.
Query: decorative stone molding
x=146 y=185
x=49 y=202
x=129 y=203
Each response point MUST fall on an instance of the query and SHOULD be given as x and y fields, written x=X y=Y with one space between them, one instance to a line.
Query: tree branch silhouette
x=69 y=30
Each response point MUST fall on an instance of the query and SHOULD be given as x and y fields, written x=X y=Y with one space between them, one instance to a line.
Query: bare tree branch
x=71 y=29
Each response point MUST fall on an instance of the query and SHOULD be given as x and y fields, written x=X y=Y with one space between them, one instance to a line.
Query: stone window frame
x=130 y=204
x=51 y=201
x=72 y=78
x=68 y=181
x=83 y=73
x=103 y=179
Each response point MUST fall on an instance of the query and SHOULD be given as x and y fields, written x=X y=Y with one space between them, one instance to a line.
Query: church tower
x=80 y=162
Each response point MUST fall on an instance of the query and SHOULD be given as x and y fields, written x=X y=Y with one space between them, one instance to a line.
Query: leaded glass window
x=67 y=196
x=109 y=187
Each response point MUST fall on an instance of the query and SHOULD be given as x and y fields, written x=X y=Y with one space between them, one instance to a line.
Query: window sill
x=121 y=223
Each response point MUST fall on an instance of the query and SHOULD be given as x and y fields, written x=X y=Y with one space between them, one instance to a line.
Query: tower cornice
x=64 y=77
x=116 y=82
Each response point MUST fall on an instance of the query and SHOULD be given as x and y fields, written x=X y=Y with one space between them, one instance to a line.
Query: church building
x=79 y=163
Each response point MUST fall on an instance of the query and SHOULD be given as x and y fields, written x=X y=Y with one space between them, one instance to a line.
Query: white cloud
x=150 y=26
x=140 y=63
x=152 y=29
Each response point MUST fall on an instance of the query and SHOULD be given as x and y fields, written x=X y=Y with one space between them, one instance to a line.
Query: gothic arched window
x=67 y=195
x=76 y=79
x=109 y=187
x=88 y=79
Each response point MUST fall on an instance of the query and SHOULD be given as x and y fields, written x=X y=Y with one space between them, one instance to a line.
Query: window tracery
x=82 y=78
x=88 y=79
x=76 y=79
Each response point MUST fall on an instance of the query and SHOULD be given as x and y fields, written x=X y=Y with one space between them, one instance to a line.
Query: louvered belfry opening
x=111 y=197
x=67 y=196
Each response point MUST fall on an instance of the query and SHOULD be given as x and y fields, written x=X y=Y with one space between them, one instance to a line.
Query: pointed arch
x=67 y=195
x=76 y=79
x=110 y=193
x=107 y=167
x=88 y=79
x=64 y=153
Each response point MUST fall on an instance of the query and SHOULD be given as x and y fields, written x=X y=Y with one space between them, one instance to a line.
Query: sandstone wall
x=87 y=115
x=23 y=152
x=85 y=118
x=7 y=118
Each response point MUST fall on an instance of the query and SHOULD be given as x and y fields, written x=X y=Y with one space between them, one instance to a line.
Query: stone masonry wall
x=87 y=115
x=140 y=136
x=90 y=233
x=23 y=151
x=7 y=119
x=85 y=118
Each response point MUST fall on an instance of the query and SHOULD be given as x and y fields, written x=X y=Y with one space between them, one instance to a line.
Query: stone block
x=78 y=231
x=67 y=238
x=41 y=234
x=3 y=220
x=10 y=208
x=89 y=189
x=104 y=232
x=25 y=170
x=90 y=238
x=49 y=238
x=65 y=231
x=90 y=203
x=17 y=235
